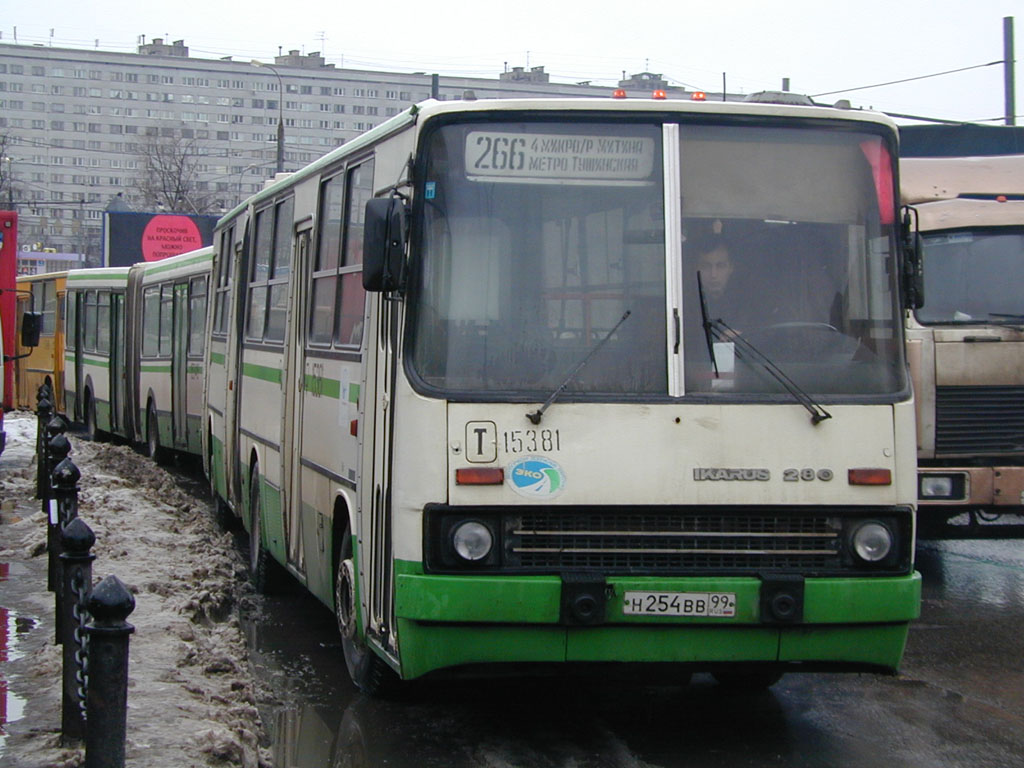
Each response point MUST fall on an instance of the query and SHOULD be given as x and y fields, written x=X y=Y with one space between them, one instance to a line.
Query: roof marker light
x=619 y=93
x=1000 y=198
x=659 y=94
x=698 y=96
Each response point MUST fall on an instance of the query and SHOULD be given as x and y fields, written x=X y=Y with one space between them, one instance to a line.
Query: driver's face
x=715 y=270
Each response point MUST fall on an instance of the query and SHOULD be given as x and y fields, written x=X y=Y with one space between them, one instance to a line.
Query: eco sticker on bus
x=536 y=477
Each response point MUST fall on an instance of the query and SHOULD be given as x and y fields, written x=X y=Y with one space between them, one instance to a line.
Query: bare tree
x=169 y=177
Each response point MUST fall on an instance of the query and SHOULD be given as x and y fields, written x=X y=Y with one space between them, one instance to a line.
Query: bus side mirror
x=383 y=244
x=31 y=325
x=913 y=262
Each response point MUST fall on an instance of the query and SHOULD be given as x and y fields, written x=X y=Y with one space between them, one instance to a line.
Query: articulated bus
x=136 y=345
x=966 y=344
x=557 y=382
x=43 y=295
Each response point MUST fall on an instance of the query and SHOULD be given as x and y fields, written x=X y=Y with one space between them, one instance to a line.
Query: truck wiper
x=537 y=415
x=1004 y=315
x=744 y=349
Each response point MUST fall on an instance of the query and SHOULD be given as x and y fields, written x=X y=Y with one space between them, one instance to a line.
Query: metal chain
x=81 y=616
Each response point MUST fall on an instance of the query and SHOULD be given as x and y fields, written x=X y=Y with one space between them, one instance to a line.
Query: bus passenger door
x=116 y=363
x=378 y=568
x=79 y=374
x=295 y=362
x=179 y=366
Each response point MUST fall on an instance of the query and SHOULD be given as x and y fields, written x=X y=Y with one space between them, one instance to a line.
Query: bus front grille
x=664 y=543
x=678 y=540
x=979 y=420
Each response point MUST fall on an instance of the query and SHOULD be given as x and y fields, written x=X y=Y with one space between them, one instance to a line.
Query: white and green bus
x=476 y=384
x=94 y=350
x=136 y=341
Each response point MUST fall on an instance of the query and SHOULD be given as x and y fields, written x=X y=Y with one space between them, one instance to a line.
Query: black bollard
x=65 y=509
x=76 y=566
x=44 y=411
x=56 y=451
x=109 y=604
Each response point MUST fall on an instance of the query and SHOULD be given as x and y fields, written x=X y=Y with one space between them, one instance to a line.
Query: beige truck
x=965 y=346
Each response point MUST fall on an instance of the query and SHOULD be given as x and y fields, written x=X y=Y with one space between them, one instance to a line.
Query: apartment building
x=79 y=122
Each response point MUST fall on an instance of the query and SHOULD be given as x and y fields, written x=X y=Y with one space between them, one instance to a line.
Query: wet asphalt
x=958 y=700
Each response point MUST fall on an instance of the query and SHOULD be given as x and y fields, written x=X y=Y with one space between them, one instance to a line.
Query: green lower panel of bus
x=446 y=621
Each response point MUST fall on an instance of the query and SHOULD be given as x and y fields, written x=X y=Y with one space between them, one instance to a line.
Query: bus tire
x=153 y=449
x=368 y=671
x=92 y=432
x=747 y=680
x=262 y=570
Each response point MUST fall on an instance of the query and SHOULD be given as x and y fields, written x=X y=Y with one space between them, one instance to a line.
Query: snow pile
x=191 y=698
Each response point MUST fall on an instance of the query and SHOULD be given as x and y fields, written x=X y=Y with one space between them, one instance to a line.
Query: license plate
x=710 y=604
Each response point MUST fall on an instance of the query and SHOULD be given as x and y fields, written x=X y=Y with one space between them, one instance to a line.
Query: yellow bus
x=43 y=294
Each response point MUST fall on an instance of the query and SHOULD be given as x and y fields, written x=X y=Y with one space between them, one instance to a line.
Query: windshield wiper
x=1006 y=316
x=537 y=415
x=706 y=324
x=717 y=329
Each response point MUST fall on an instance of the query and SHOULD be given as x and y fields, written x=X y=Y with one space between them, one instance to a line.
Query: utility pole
x=1011 y=106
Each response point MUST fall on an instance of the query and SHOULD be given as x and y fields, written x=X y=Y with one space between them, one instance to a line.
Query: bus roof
x=192 y=262
x=98 y=277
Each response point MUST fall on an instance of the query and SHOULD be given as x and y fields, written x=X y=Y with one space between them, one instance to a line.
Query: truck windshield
x=537 y=238
x=973 y=277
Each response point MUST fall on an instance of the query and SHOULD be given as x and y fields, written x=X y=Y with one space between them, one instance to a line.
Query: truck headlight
x=936 y=487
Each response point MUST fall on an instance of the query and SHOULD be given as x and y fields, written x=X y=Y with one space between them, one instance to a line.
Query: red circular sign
x=168 y=235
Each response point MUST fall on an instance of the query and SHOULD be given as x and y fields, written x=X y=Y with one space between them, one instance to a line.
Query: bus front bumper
x=455 y=620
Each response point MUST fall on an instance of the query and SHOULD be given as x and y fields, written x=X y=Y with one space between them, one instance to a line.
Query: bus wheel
x=749 y=680
x=91 y=431
x=367 y=670
x=153 y=449
x=261 y=564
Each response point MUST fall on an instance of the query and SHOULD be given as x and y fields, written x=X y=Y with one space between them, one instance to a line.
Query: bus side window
x=351 y=296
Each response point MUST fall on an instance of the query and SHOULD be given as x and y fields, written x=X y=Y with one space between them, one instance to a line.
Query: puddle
x=14 y=628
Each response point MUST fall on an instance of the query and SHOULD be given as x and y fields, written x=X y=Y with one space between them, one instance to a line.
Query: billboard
x=129 y=238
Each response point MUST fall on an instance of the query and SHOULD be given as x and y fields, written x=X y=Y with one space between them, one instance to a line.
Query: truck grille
x=661 y=543
x=979 y=420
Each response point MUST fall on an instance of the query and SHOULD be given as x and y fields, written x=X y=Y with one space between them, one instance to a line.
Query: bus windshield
x=973 y=277
x=538 y=238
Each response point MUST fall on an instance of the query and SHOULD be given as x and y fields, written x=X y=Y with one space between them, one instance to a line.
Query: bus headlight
x=872 y=541
x=472 y=540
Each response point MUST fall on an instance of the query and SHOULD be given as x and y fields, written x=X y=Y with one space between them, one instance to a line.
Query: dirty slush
x=191 y=696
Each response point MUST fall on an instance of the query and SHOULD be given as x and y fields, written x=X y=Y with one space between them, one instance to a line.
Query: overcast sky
x=820 y=46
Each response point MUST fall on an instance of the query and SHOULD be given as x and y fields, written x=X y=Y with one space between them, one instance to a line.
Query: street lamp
x=10 y=182
x=280 y=113
x=241 y=173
